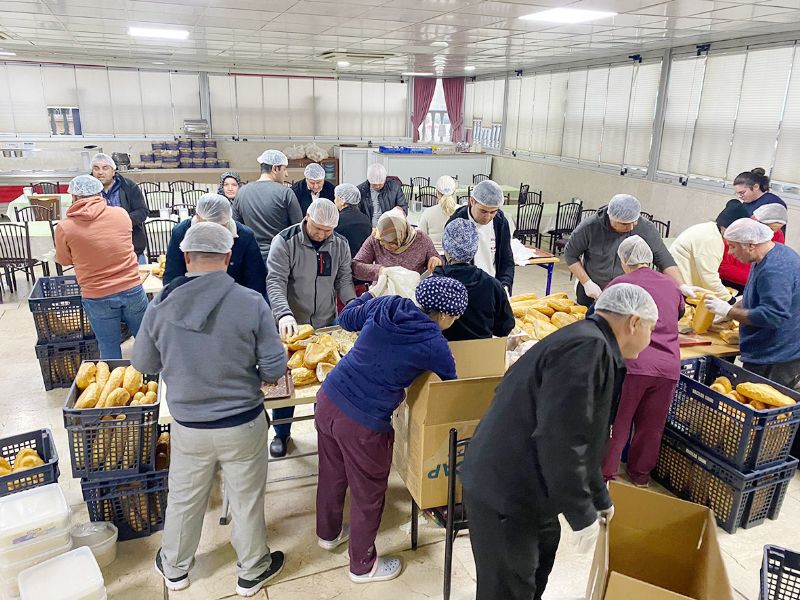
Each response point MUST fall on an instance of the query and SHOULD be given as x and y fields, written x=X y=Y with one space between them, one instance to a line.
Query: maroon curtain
x=454 y=100
x=423 y=94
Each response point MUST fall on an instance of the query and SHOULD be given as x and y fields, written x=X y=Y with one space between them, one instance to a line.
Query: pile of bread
x=539 y=317
x=312 y=355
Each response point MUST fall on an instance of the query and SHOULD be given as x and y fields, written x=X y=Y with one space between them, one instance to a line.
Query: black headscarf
x=733 y=211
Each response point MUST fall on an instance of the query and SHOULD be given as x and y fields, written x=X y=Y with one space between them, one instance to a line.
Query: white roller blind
x=488 y=102
x=644 y=96
x=573 y=113
x=301 y=107
x=593 y=114
x=59 y=86
x=512 y=112
x=760 y=108
x=250 y=105
x=185 y=98
x=276 y=104
x=157 y=102
x=27 y=99
x=477 y=100
x=683 y=101
x=126 y=102
x=541 y=105
x=615 y=121
x=555 y=113
x=498 y=99
x=373 y=100
x=396 y=98
x=223 y=104
x=326 y=107
x=712 y=135
x=94 y=99
x=351 y=110
x=787 y=165
x=469 y=103
x=526 y=96
x=6 y=115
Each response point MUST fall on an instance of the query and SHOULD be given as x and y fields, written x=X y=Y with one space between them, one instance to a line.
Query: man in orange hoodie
x=96 y=238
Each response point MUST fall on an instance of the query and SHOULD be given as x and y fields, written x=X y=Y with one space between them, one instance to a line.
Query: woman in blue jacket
x=246 y=267
x=397 y=343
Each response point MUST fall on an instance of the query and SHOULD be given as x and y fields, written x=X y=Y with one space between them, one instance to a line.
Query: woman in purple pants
x=397 y=343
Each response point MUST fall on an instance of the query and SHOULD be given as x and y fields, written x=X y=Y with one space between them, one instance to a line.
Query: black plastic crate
x=780 y=574
x=58 y=313
x=737 y=433
x=136 y=504
x=59 y=362
x=109 y=442
x=40 y=440
x=737 y=499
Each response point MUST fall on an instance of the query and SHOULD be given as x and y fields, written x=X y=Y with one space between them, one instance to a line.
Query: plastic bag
x=295 y=152
x=315 y=152
x=396 y=281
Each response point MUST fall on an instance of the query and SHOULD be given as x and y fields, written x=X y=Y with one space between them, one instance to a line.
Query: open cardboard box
x=657 y=548
x=432 y=407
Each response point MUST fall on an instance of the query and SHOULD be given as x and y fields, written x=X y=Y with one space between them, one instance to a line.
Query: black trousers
x=513 y=558
x=785 y=374
x=582 y=298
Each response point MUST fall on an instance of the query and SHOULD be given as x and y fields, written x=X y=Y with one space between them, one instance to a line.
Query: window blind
x=593 y=114
x=573 y=113
x=94 y=99
x=526 y=97
x=372 y=109
x=615 y=119
x=250 y=105
x=326 y=109
x=395 y=118
x=644 y=95
x=126 y=102
x=185 y=98
x=555 y=113
x=541 y=106
x=498 y=100
x=59 y=86
x=156 y=102
x=276 y=98
x=223 y=104
x=787 y=165
x=27 y=100
x=301 y=107
x=683 y=101
x=512 y=112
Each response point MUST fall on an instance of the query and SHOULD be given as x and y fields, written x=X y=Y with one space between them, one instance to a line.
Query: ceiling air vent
x=354 y=56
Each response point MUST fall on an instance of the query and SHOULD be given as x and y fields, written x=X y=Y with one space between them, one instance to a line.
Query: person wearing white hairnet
x=775 y=216
x=215 y=342
x=537 y=451
x=246 y=267
x=309 y=265
x=494 y=254
x=652 y=376
x=266 y=205
x=768 y=311
x=434 y=218
x=379 y=194
x=312 y=186
x=96 y=238
x=353 y=225
x=123 y=192
x=591 y=251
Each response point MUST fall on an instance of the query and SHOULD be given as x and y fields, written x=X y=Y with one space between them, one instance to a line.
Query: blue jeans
x=283 y=431
x=107 y=314
x=142 y=259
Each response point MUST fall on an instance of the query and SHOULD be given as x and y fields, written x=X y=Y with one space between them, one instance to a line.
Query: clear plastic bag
x=315 y=152
x=295 y=152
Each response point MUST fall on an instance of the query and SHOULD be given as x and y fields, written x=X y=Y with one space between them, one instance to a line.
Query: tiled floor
x=311 y=573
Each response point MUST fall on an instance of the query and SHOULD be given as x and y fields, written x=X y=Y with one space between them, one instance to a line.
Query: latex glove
x=583 y=541
x=287 y=326
x=433 y=262
x=379 y=286
x=717 y=306
x=690 y=291
x=591 y=289
x=607 y=514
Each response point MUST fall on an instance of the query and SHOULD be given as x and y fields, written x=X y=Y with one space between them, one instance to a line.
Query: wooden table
x=717 y=348
x=547 y=261
x=151 y=284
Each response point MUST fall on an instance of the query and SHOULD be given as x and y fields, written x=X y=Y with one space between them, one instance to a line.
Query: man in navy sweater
x=312 y=187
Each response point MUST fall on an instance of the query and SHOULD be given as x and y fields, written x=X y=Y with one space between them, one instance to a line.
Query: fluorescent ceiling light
x=469 y=68
x=164 y=34
x=8 y=53
x=568 y=15
x=158 y=62
x=440 y=44
x=415 y=74
x=342 y=64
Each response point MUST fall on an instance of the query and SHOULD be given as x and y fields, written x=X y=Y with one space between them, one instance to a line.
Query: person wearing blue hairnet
x=312 y=186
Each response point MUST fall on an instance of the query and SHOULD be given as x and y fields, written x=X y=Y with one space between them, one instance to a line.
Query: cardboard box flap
x=480 y=358
x=460 y=400
x=628 y=588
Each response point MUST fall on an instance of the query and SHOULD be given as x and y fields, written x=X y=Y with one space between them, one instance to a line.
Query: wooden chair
x=479 y=177
x=149 y=186
x=524 y=188
x=408 y=191
x=59 y=269
x=51 y=203
x=32 y=213
x=157 y=200
x=530 y=198
x=45 y=187
x=192 y=196
x=180 y=186
x=15 y=254
x=529 y=220
x=661 y=227
x=158 y=233
x=420 y=181
x=567 y=215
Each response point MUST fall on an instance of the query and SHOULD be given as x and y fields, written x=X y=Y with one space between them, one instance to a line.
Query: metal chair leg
x=414 y=524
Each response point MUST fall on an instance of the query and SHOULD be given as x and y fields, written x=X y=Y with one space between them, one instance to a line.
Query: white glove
x=717 y=306
x=583 y=541
x=690 y=291
x=287 y=326
x=591 y=289
x=607 y=514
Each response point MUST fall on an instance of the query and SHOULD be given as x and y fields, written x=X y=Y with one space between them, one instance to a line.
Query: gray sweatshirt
x=596 y=243
x=303 y=281
x=267 y=208
x=214 y=342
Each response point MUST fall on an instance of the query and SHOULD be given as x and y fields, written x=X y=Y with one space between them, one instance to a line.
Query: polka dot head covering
x=460 y=240
x=442 y=294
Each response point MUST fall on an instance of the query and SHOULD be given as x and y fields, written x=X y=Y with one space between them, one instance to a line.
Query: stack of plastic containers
x=34 y=527
x=71 y=576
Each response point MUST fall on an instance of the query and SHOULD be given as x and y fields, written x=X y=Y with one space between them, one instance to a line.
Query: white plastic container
x=100 y=537
x=32 y=514
x=71 y=576
x=9 y=573
x=33 y=548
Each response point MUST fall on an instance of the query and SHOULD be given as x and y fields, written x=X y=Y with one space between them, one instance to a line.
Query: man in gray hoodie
x=214 y=343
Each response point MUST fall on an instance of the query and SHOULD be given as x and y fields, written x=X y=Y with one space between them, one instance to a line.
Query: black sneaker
x=247 y=587
x=174 y=585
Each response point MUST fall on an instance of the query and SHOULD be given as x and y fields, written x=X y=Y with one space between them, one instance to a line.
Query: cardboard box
x=657 y=548
x=432 y=407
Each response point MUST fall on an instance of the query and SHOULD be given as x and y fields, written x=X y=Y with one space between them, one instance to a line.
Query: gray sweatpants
x=242 y=453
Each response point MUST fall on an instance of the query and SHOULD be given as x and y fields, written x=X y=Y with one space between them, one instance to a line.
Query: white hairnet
x=217 y=209
x=323 y=212
x=85 y=185
x=634 y=251
x=314 y=172
x=347 y=192
x=488 y=193
x=772 y=213
x=273 y=157
x=624 y=208
x=103 y=159
x=207 y=237
x=627 y=299
x=748 y=231
x=446 y=185
x=376 y=174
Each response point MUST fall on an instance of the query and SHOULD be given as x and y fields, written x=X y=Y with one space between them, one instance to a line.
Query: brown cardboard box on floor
x=657 y=548
x=432 y=407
